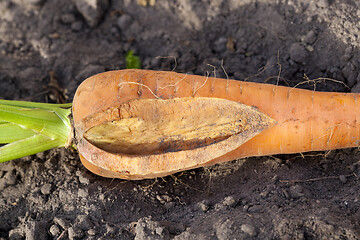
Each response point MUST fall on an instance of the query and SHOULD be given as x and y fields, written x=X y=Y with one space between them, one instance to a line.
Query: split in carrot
x=137 y=124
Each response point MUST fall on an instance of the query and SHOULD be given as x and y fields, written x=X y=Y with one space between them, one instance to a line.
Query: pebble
x=92 y=10
x=248 y=229
x=61 y=222
x=82 y=178
x=343 y=178
x=54 y=230
x=255 y=208
x=110 y=229
x=310 y=37
x=203 y=206
x=219 y=207
x=225 y=229
x=46 y=189
x=297 y=52
x=35 y=230
x=246 y=207
x=82 y=193
x=8 y=179
x=163 y=199
x=323 y=3
x=229 y=201
x=26 y=74
x=296 y=191
x=75 y=233
x=309 y=19
x=91 y=232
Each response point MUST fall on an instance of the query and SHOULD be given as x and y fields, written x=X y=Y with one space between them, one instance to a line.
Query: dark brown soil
x=52 y=196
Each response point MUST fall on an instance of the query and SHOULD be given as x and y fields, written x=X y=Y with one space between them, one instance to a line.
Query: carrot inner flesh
x=153 y=126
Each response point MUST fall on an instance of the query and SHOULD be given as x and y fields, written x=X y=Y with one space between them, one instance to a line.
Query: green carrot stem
x=11 y=132
x=29 y=128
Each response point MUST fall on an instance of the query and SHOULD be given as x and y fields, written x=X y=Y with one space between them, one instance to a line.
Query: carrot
x=137 y=124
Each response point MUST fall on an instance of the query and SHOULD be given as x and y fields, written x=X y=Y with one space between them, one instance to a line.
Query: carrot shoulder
x=305 y=120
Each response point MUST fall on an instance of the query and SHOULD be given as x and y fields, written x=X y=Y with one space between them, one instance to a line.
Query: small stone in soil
x=75 y=233
x=61 y=222
x=248 y=229
x=84 y=180
x=229 y=201
x=91 y=232
x=203 y=206
x=8 y=179
x=323 y=3
x=254 y=209
x=310 y=37
x=82 y=193
x=36 y=230
x=343 y=178
x=92 y=10
x=46 y=189
x=54 y=230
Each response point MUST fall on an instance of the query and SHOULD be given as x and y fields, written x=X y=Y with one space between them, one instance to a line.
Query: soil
x=303 y=196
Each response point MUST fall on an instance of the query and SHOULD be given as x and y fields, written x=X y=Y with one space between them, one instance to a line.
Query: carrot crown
x=27 y=128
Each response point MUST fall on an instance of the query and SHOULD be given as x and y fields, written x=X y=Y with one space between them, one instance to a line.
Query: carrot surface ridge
x=305 y=120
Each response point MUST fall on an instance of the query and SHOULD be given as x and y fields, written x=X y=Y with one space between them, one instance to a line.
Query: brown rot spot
x=153 y=126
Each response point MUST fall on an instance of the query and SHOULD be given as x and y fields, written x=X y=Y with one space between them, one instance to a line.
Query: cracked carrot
x=136 y=124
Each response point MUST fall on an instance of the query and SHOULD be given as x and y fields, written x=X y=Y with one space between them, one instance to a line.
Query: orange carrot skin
x=306 y=120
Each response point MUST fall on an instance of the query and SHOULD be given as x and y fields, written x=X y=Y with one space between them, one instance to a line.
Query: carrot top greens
x=132 y=61
x=28 y=128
